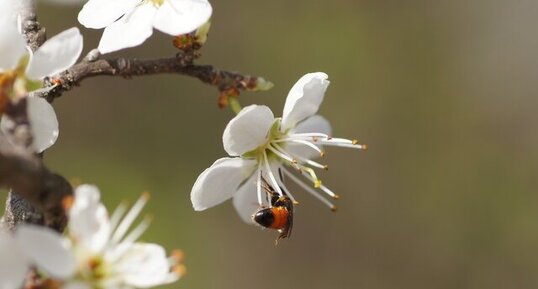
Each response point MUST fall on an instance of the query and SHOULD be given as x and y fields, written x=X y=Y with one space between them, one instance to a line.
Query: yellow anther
x=181 y=270
x=295 y=203
x=317 y=184
x=354 y=141
x=336 y=197
x=178 y=255
x=145 y=196
x=67 y=202
x=322 y=153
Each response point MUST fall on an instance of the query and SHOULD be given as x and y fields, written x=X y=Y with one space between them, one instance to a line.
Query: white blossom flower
x=22 y=71
x=130 y=22
x=107 y=254
x=261 y=146
x=33 y=246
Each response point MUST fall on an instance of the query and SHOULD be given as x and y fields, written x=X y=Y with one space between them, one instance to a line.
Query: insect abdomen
x=280 y=215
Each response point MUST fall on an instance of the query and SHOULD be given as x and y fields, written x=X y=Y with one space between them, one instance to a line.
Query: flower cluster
x=98 y=251
x=101 y=251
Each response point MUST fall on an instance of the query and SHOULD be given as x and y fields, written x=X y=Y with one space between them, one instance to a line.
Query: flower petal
x=56 y=54
x=43 y=122
x=177 y=17
x=13 y=264
x=246 y=200
x=144 y=265
x=304 y=98
x=12 y=44
x=98 y=14
x=219 y=182
x=317 y=124
x=130 y=30
x=88 y=219
x=247 y=130
x=47 y=249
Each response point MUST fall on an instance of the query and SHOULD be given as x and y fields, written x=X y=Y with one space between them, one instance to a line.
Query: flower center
x=294 y=150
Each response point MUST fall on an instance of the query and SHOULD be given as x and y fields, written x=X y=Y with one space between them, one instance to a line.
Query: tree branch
x=33 y=32
x=36 y=193
x=127 y=68
x=45 y=191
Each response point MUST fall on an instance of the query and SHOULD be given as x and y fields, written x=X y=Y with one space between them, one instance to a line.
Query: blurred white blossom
x=97 y=252
x=262 y=146
x=107 y=254
x=33 y=246
x=129 y=23
x=22 y=71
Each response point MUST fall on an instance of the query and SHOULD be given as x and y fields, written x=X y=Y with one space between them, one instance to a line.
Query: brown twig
x=33 y=32
x=127 y=68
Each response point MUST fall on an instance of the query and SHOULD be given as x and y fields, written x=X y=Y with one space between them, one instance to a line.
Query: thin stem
x=234 y=104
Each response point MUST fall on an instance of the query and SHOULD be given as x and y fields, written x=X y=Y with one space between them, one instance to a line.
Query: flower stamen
x=305 y=142
x=308 y=189
x=288 y=193
x=259 y=184
x=270 y=174
x=116 y=216
x=130 y=217
x=277 y=150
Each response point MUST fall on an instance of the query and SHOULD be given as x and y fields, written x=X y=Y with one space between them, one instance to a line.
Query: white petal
x=56 y=54
x=88 y=219
x=144 y=265
x=219 y=182
x=12 y=44
x=98 y=14
x=130 y=30
x=317 y=124
x=47 y=249
x=248 y=129
x=246 y=200
x=13 y=264
x=177 y=17
x=43 y=122
x=304 y=98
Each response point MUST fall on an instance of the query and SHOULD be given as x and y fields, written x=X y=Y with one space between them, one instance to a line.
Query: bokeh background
x=445 y=93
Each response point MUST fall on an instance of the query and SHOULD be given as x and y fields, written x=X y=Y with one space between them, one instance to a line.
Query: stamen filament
x=259 y=185
x=301 y=159
x=116 y=216
x=288 y=193
x=312 y=173
x=341 y=142
x=313 y=134
x=305 y=142
x=270 y=174
x=309 y=189
x=138 y=231
x=130 y=217
x=324 y=188
x=282 y=154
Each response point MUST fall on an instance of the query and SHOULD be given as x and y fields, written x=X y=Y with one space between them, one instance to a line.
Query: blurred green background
x=443 y=92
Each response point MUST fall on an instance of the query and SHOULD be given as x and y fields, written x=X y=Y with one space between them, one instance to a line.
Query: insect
x=279 y=216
